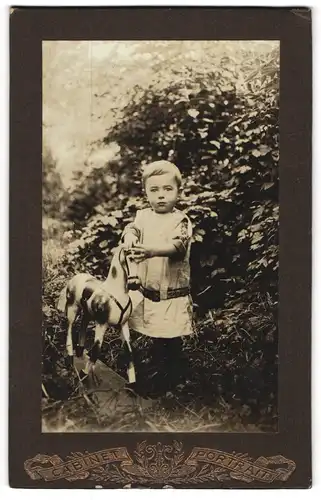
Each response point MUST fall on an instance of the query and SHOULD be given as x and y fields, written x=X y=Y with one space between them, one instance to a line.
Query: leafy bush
x=54 y=195
x=55 y=376
x=220 y=126
x=224 y=138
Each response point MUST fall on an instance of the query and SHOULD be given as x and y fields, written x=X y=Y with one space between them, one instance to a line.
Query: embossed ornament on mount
x=161 y=464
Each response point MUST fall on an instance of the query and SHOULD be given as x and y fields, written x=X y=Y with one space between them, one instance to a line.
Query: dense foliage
x=220 y=126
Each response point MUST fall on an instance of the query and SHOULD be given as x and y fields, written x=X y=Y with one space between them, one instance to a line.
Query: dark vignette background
x=29 y=26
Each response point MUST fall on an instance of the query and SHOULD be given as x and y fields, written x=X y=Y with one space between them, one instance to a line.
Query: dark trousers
x=166 y=367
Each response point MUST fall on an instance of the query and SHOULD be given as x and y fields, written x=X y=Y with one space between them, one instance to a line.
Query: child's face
x=162 y=192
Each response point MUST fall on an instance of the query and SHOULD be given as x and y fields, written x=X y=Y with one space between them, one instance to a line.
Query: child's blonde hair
x=159 y=168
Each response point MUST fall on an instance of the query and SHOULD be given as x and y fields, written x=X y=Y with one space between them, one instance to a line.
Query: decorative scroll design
x=159 y=464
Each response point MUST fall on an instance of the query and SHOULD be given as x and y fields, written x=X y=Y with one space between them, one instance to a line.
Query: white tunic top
x=169 y=317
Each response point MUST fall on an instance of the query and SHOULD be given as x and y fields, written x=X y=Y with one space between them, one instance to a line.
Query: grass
x=231 y=359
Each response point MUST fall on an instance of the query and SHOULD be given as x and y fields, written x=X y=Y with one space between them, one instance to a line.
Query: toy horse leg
x=82 y=335
x=131 y=368
x=72 y=311
x=95 y=352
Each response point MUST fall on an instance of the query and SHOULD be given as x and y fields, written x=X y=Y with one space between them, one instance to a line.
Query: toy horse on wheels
x=106 y=302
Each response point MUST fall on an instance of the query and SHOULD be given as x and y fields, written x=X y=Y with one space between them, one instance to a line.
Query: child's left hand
x=140 y=253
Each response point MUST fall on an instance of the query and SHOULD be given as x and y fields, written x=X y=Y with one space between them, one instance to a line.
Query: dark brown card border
x=28 y=27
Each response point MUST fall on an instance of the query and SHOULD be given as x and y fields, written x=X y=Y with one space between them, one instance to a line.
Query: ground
x=114 y=408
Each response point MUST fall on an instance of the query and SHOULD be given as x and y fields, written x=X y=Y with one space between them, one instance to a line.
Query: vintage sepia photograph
x=160 y=222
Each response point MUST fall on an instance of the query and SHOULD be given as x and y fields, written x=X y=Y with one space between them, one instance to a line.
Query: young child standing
x=160 y=240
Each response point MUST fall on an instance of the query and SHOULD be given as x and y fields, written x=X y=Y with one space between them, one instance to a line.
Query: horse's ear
x=116 y=250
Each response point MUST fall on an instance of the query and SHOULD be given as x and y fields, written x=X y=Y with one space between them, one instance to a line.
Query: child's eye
x=168 y=188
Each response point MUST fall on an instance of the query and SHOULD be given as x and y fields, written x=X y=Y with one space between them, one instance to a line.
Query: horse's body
x=106 y=302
